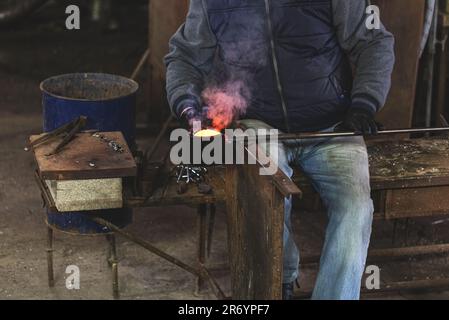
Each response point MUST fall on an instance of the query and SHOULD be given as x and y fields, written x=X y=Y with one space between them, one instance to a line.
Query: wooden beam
x=255 y=211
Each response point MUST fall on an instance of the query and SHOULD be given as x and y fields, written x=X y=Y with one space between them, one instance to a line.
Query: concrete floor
x=31 y=53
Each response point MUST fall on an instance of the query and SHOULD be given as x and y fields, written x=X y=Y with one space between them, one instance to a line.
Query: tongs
x=67 y=131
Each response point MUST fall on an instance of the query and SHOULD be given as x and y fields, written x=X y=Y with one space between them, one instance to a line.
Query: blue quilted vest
x=288 y=51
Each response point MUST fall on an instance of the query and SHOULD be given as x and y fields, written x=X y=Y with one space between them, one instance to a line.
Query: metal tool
x=317 y=135
x=67 y=131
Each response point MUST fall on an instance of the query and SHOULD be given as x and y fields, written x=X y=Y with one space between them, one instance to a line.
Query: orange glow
x=207 y=133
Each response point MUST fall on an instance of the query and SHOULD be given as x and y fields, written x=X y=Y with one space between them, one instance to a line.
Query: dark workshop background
x=38 y=46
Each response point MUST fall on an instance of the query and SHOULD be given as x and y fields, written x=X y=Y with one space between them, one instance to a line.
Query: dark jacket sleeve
x=190 y=59
x=371 y=53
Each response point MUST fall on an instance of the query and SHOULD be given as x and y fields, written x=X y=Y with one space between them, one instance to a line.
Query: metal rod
x=44 y=191
x=317 y=135
x=151 y=149
x=51 y=278
x=113 y=263
x=141 y=63
x=146 y=245
x=115 y=288
x=112 y=256
x=202 y=272
x=213 y=283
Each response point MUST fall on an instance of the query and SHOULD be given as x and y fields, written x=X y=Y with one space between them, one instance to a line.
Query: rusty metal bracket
x=202 y=272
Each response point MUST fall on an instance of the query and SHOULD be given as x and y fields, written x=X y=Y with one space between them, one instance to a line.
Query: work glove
x=360 y=121
x=188 y=114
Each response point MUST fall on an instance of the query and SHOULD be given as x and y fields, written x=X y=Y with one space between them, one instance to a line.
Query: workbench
x=409 y=179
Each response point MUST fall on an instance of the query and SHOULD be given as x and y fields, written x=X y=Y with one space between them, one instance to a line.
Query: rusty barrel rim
x=127 y=87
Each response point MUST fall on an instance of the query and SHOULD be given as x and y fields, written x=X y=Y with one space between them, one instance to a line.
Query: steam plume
x=226 y=103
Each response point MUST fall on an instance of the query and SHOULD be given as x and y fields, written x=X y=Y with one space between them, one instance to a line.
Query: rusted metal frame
x=146 y=245
x=201 y=272
x=198 y=273
x=51 y=278
x=46 y=195
x=113 y=264
x=212 y=282
x=380 y=254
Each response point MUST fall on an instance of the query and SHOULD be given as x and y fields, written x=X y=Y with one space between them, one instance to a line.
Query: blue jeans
x=338 y=169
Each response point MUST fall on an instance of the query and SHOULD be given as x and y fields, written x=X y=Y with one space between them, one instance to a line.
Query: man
x=313 y=65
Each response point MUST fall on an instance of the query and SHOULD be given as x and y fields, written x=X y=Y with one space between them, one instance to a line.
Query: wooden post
x=255 y=209
x=406 y=22
x=165 y=17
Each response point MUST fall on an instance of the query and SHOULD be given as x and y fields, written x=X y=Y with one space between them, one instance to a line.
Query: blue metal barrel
x=109 y=103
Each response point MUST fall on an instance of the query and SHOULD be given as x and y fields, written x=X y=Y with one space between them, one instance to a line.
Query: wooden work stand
x=74 y=162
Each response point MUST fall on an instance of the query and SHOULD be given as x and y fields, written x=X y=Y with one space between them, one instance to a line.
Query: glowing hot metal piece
x=207 y=133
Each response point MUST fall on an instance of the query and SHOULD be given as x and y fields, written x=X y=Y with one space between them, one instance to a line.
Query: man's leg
x=282 y=158
x=339 y=171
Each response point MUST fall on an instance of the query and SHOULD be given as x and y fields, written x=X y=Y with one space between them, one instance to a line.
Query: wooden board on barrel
x=86 y=157
x=87 y=173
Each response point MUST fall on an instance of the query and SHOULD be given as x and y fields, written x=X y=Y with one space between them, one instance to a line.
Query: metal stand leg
x=115 y=290
x=51 y=279
x=202 y=243
x=113 y=264
x=210 y=230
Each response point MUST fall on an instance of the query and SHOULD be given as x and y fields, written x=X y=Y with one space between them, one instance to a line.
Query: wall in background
x=165 y=18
